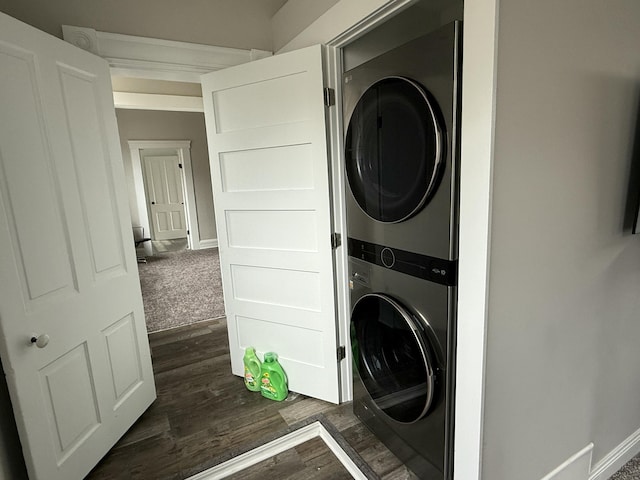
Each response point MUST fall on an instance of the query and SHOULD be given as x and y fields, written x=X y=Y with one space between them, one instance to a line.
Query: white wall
x=564 y=303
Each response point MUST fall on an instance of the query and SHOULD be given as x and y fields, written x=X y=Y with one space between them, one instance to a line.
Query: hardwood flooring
x=204 y=415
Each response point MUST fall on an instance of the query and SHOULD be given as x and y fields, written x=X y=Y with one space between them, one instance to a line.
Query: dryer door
x=394 y=149
x=393 y=357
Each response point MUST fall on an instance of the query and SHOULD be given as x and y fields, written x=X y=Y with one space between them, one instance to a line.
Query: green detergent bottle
x=273 y=379
x=251 y=369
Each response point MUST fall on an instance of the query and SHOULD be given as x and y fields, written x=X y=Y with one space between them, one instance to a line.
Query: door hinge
x=188 y=232
x=342 y=353
x=336 y=240
x=329 y=96
x=179 y=165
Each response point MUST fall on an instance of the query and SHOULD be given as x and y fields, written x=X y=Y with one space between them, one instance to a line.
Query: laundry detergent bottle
x=252 y=369
x=273 y=380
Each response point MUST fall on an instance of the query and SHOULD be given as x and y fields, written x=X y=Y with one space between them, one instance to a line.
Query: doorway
x=164 y=193
x=181 y=278
x=164 y=190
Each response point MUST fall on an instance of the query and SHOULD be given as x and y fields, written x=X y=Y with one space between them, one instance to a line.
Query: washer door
x=392 y=357
x=394 y=149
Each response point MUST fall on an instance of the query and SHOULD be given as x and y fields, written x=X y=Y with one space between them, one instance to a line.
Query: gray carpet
x=180 y=288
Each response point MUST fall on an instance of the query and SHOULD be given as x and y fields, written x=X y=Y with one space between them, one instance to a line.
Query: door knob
x=153 y=203
x=41 y=341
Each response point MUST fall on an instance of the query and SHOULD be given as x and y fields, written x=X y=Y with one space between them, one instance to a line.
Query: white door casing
x=67 y=262
x=270 y=176
x=164 y=190
x=182 y=148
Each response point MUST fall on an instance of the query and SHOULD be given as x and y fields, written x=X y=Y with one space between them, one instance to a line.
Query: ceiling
x=243 y=24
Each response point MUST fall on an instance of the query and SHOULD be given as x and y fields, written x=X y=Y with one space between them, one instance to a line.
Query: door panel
x=124 y=360
x=44 y=269
x=97 y=196
x=71 y=400
x=247 y=106
x=282 y=168
x=67 y=262
x=270 y=177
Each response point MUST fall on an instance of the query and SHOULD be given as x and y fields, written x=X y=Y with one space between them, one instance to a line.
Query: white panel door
x=270 y=176
x=68 y=272
x=165 y=195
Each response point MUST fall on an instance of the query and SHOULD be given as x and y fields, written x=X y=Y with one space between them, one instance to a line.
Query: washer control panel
x=437 y=270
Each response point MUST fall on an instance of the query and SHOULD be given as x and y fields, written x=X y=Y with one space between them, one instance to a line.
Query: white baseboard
x=279 y=445
x=209 y=243
x=616 y=458
x=575 y=467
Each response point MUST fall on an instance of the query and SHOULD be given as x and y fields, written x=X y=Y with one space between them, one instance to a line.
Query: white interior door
x=165 y=196
x=270 y=177
x=68 y=272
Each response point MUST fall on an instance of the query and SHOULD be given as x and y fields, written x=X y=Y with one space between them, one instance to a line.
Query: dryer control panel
x=437 y=270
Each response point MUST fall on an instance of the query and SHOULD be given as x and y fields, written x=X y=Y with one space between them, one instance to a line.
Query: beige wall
x=156 y=125
x=564 y=293
x=162 y=87
x=295 y=16
x=227 y=23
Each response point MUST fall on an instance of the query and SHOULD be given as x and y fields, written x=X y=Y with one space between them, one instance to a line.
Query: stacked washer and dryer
x=402 y=162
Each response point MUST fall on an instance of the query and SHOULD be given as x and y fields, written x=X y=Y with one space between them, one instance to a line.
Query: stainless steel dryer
x=401 y=153
x=401 y=146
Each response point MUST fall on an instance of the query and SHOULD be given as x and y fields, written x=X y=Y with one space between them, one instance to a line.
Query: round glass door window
x=394 y=149
x=392 y=357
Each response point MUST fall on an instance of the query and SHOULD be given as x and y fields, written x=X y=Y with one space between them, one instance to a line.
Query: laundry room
x=401 y=109
x=423 y=210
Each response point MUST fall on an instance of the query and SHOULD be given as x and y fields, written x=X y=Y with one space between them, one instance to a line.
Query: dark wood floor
x=205 y=415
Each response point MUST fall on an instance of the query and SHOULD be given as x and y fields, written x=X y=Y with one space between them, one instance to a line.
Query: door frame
x=344 y=23
x=183 y=150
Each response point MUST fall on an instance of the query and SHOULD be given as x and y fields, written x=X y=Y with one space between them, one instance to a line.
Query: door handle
x=153 y=203
x=41 y=341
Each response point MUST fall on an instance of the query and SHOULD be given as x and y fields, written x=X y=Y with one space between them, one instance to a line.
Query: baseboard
x=209 y=243
x=616 y=458
x=575 y=467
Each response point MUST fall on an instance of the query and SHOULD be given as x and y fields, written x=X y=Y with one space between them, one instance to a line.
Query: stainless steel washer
x=402 y=330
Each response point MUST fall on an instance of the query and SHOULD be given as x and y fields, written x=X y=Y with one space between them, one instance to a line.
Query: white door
x=67 y=262
x=270 y=176
x=165 y=196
